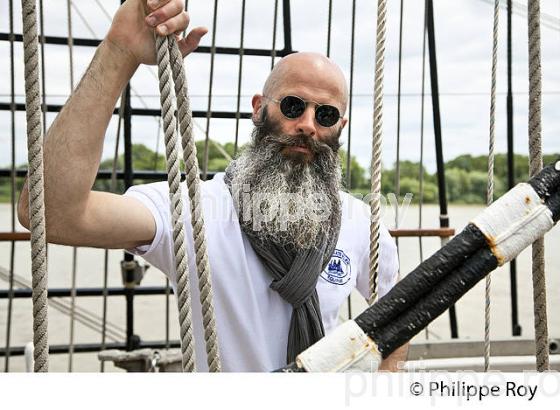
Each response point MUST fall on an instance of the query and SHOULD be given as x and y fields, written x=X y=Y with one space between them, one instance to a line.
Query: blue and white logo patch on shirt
x=338 y=271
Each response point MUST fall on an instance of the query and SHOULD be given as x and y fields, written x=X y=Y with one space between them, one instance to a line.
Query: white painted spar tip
x=514 y=221
x=346 y=349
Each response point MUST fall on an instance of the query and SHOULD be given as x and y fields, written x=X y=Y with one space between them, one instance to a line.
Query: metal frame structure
x=128 y=175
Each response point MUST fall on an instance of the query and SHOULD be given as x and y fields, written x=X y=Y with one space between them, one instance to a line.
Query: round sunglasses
x=293 y=107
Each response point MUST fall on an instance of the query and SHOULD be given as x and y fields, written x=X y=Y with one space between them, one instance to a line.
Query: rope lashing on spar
x=36 y=187
x=493 y=238
x=171 y=71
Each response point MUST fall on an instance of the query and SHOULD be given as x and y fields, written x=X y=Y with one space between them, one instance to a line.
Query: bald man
x=286 y=245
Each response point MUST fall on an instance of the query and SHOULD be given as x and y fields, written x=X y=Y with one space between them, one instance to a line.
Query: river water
x=150 y=310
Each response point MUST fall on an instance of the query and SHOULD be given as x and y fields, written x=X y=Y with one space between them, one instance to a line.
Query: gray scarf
x=295 y=273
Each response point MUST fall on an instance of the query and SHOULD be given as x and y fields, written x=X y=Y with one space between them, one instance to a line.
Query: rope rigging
x=170 y=63
x=535 y=165
x=421 y=165
x=210 y=88
x=490 y=187
x=36 y=187
x=239 y=78
x=197 y=219
x=350 y=106
x=174 y=181
x=74 y=249
x=376 y=149
x=13 y=188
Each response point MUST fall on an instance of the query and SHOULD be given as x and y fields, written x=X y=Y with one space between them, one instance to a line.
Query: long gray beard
x=282 y=200
x=276 y=215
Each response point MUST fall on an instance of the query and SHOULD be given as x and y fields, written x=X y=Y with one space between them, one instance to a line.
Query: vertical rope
x=329 y=28
x=72 y=308
x=113 y=188
x=490 y=187
x=36 y=184
x=349 y=141
x=351 y=91
x=239 y=78
x=535 y=165
x=174 y=181
x=274 y=27
x=167 y=315
x=197 y=218
x=210 y=86
x=376 y=149
x=398 y=158
x=421 y=167
x=13 y=189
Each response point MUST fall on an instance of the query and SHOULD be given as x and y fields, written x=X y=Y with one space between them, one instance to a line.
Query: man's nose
x=306 y=123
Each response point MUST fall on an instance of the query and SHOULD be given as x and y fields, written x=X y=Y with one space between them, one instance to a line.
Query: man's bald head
x=308 y=69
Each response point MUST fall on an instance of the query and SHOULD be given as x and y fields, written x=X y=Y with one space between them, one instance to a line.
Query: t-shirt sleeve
x=155 y=197
x=388 y=274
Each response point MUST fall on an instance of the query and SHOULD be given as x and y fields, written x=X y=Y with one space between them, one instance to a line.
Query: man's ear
x=344 y=121
x=256 y=102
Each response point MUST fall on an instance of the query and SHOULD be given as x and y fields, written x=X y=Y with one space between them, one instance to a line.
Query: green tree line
x=465 y=175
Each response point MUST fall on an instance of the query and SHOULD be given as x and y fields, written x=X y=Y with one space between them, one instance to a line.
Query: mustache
x=302 y=140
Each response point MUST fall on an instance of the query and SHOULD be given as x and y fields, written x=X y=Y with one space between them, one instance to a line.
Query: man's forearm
x=74 y=143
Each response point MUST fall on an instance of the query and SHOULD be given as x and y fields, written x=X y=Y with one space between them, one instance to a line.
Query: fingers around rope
x=156 y=4
x=188 y=44
x=169 y=18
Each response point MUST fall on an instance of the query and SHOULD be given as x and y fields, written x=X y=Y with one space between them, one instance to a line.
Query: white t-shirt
x=252 y=319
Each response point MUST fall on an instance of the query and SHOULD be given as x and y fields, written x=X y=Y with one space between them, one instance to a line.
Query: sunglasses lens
x=292 y=107
x=327 y=115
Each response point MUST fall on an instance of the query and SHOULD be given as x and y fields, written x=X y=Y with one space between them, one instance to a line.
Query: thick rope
x=535 y=165
x=376 y=150
x=174 y=181
x=192 y=173
x=490 y=187
x=36 y=185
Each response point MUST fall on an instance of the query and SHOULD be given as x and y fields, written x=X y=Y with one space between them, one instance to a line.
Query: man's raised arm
x=75 y=214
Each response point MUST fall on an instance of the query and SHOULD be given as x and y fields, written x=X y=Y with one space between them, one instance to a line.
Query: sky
x=464 y=46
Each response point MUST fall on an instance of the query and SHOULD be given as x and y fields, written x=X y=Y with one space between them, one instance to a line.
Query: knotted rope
x=376 y=150
x=36 y=185
x=535 y=165
x=192 y=173
x=490 y=187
